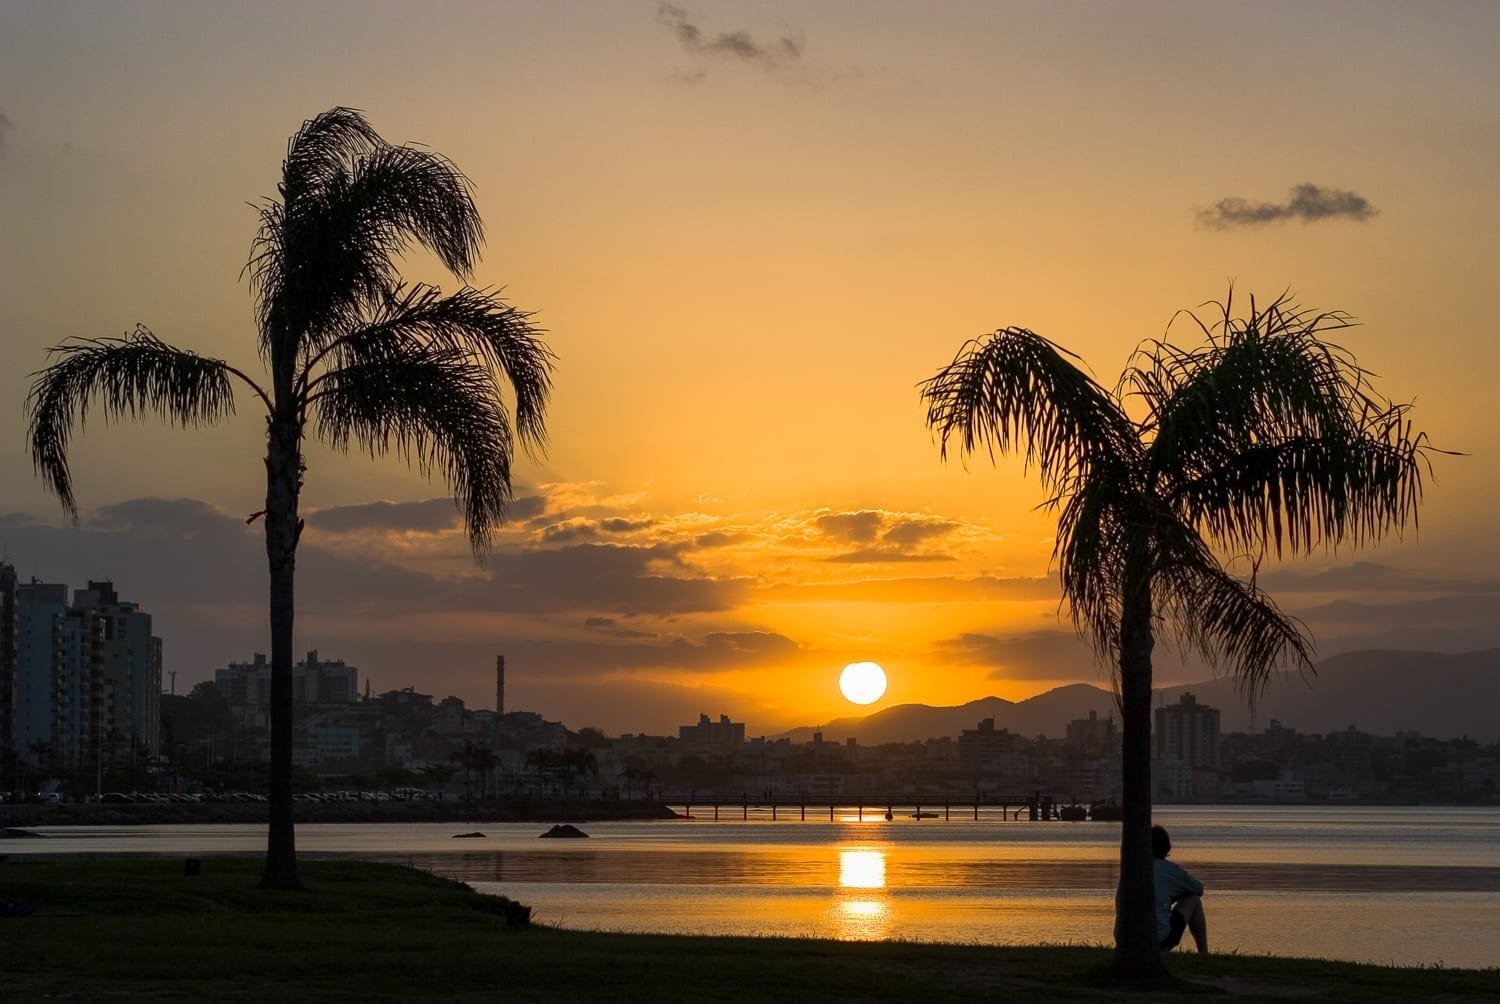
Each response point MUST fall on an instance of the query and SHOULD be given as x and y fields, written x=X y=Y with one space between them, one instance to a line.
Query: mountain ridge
x=1379 y=691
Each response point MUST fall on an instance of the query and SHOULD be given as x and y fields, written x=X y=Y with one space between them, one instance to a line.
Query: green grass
x=142 y=931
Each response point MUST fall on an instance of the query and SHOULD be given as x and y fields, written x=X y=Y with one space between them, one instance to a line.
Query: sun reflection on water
x=862 y=917
x=861 y=869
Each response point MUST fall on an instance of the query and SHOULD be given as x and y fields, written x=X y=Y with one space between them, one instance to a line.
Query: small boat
x=925 y=815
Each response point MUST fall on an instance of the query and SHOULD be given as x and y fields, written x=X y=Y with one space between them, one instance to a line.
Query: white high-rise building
x=1187 y=732
x=75 y=676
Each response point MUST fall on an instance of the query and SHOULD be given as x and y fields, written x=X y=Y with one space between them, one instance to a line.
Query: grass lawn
x=142 y=930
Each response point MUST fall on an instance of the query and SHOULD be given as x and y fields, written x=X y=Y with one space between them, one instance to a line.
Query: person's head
x=1161 y=844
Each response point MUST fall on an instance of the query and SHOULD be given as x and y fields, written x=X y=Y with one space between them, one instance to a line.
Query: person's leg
x=1191 y=908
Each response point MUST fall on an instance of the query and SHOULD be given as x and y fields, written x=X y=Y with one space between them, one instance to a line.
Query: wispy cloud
x=1306 y=202
x=737 y=46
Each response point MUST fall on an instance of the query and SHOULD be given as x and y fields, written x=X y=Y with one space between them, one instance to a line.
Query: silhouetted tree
x=353 y=357
x=1264 y=438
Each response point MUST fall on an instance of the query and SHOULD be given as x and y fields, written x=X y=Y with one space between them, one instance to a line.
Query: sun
x=862 y=682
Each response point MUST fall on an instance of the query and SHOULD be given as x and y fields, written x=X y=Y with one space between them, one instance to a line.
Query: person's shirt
x=1172 y=882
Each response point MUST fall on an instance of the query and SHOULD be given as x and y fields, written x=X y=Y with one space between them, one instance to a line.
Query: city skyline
x=746 y=260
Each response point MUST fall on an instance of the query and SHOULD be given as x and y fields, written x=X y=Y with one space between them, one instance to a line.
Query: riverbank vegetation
x=149 y=931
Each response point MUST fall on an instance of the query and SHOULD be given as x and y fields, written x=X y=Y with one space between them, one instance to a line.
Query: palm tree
x=353 y=357
x=485 y=761
x=1263 y=439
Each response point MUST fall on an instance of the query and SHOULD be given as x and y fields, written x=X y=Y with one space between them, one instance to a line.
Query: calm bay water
x=1402 y=885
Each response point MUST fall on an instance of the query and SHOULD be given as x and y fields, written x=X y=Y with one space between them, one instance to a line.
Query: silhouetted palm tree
x=1263 y=439
x=485 y=761
x=353 y=357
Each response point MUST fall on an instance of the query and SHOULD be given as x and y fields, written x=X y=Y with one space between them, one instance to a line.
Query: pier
x=1034 y=807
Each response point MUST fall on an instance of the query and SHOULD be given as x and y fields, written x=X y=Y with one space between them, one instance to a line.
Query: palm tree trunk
x=1137 y=952
x=283 y=463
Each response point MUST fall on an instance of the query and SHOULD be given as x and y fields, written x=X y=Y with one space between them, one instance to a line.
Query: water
x=1387 y=885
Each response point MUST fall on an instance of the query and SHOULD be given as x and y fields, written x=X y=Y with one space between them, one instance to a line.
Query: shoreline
x=522 y=810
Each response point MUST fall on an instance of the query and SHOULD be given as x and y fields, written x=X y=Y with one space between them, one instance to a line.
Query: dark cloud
x=429 y=516
x=912 y=531
x=202 y=573
x=884 y=537
x=1369 y=577
x=737 y=46
x=1030 y=655
x=718 y=538
x=927 y=589
x=613 y=628
x=1049 y=655
x=171 y=517
x=1449 y=611
x=1307 y=202
x=851 y=527
x=871 y=556
x=620 y=524
x=570 y=530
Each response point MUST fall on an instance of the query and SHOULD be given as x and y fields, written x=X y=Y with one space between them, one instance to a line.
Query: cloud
x=428 y=516
x=621 y=524
x=880 y=536
x=871 y=556
x=737 y=46
x=1306 y=202
x=5 y=126
x=1368 y=577
x=1030 y=655
x=851 y=527
x=164 y=517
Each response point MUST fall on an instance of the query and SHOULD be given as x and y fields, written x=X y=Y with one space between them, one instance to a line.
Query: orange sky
x=748 y=246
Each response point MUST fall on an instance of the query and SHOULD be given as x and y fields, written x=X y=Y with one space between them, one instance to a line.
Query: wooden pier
x=1034 y=807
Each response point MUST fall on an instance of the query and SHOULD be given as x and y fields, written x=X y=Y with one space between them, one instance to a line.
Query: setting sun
x=862 y=682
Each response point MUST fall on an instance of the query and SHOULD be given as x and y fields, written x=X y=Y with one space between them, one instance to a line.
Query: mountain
x=1379 y=691
x=1045 y=714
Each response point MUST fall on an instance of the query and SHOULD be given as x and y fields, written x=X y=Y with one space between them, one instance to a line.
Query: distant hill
x=1382 y=692
x=1045 y=714
x=1379 y=691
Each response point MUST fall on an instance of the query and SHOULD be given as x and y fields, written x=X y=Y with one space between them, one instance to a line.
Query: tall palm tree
x=1263 y=439
x=352 y=356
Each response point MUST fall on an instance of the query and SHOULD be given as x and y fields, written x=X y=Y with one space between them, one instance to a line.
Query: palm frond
x=132 y=376
x=438 y=409
x=1301 y=491
x=1090 y=554
x=1229 y=621
x=1015 y=391
x=473 y=321
x=1274 y=437
x=352 y=205
x=319 y=150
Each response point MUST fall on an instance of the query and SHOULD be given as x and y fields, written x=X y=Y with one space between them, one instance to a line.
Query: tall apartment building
x=314 y=681
x=8 y=628
x=1094 y=734
x=720 y=735
x=1187 y=732
x=75 y=675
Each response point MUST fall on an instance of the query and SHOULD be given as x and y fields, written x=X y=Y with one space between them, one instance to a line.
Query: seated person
x=1179 y=902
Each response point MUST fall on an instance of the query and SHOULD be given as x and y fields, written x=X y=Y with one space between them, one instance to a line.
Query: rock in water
x=564 y=830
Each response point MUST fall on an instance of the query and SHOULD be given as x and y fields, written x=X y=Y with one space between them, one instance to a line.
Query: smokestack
x=499 y=684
